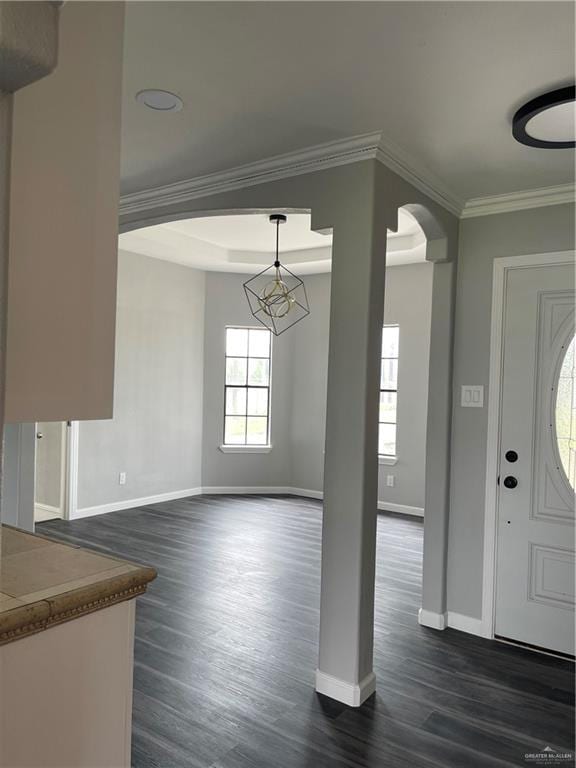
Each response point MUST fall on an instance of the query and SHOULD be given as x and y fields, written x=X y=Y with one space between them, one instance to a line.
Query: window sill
x=245 y=448
x=389 y=461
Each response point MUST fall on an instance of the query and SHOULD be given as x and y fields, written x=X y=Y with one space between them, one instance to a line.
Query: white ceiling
x=246 y=243
x=258 y=79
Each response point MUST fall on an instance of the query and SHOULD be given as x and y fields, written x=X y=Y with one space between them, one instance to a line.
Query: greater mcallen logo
x=548 y=756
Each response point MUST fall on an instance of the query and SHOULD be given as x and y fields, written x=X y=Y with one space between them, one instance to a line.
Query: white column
x=351 y=464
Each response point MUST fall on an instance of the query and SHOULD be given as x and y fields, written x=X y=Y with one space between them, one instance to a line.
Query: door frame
x=501 y=269
x=61 y=509
x=71 y=470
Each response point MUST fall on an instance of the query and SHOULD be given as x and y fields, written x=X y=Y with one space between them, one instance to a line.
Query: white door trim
x=501 y=268
x=71 y=472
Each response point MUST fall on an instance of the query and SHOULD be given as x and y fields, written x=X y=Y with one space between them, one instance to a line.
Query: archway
x=433 y=611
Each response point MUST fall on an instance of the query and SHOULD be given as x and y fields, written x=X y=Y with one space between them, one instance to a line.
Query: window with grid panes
x=247 y=386
x=388 y=391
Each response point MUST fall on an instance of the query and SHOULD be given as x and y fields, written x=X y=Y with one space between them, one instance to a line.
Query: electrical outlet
x=122 y=478
x=390 y=480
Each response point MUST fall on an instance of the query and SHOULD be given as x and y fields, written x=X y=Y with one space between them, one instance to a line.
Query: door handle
x=510 y=482
x=39 y=435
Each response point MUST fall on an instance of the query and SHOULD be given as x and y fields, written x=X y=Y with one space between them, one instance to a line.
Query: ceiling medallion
x=559 y=103
x=277 y=298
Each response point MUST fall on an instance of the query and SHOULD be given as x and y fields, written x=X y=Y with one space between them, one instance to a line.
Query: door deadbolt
x=510 y=482
x=511 y=456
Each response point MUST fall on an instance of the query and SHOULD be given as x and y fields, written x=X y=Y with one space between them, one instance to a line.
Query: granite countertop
x=44 y=583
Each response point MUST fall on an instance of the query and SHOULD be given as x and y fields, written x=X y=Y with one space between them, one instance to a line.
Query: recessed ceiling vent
x=160 y=101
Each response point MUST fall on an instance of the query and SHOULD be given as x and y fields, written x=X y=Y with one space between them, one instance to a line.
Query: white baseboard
x=47 y=508
x=306 y=493
x=245 y=490
x=117 y=506
x=466 y=624
x=347 y=693
x=404 y=509
x=453 y=620
x=431 y=619
x=233 y=490
x=43 y=512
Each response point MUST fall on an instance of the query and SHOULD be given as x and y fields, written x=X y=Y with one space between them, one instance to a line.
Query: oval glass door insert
x=566 y=415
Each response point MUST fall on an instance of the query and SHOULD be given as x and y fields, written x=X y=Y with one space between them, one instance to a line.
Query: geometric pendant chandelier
x=277 y=298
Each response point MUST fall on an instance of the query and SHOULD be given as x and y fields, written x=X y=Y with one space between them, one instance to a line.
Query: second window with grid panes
x=247 y=386
x=388 y=391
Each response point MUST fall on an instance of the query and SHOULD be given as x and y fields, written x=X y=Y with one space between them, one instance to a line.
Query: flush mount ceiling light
x=161 y=101
x=548 y=121
x=277 y=298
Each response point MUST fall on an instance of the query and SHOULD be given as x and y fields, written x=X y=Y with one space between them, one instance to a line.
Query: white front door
x=535 y=517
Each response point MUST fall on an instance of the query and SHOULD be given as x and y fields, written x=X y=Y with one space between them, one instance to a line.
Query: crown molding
x=519 y=201
x=399 y=161
x=368 y=146
x=319 y=157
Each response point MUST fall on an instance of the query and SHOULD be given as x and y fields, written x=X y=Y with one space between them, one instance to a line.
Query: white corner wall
x=65 y=178
x=155 y=435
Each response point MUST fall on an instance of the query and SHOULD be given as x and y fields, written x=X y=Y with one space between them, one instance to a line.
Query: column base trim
x=453 y=620
x=467 y=624
x=431 y=619
x=341 y=690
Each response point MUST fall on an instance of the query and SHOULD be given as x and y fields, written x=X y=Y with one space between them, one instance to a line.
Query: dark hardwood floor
x=226 y=648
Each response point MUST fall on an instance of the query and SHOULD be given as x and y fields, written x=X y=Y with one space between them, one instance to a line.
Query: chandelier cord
x=277 y=262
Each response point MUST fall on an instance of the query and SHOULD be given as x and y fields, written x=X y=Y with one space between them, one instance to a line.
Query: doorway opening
x=55 y=470
x=50 y=474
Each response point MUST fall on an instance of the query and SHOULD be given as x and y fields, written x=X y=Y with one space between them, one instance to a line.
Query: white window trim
x=245 y=448
x=383 y=459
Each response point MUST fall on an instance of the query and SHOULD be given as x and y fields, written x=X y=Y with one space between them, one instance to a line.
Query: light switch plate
x=472 y=396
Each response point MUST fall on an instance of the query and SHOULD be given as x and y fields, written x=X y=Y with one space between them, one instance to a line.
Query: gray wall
x=299 y=375
x=407 y=303
x=226 y=305
x=310 y=376
x=169 y=393
x=156 y=433
x=482 y=240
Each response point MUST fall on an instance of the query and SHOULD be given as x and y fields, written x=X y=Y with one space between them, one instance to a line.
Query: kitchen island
x=66 y=653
